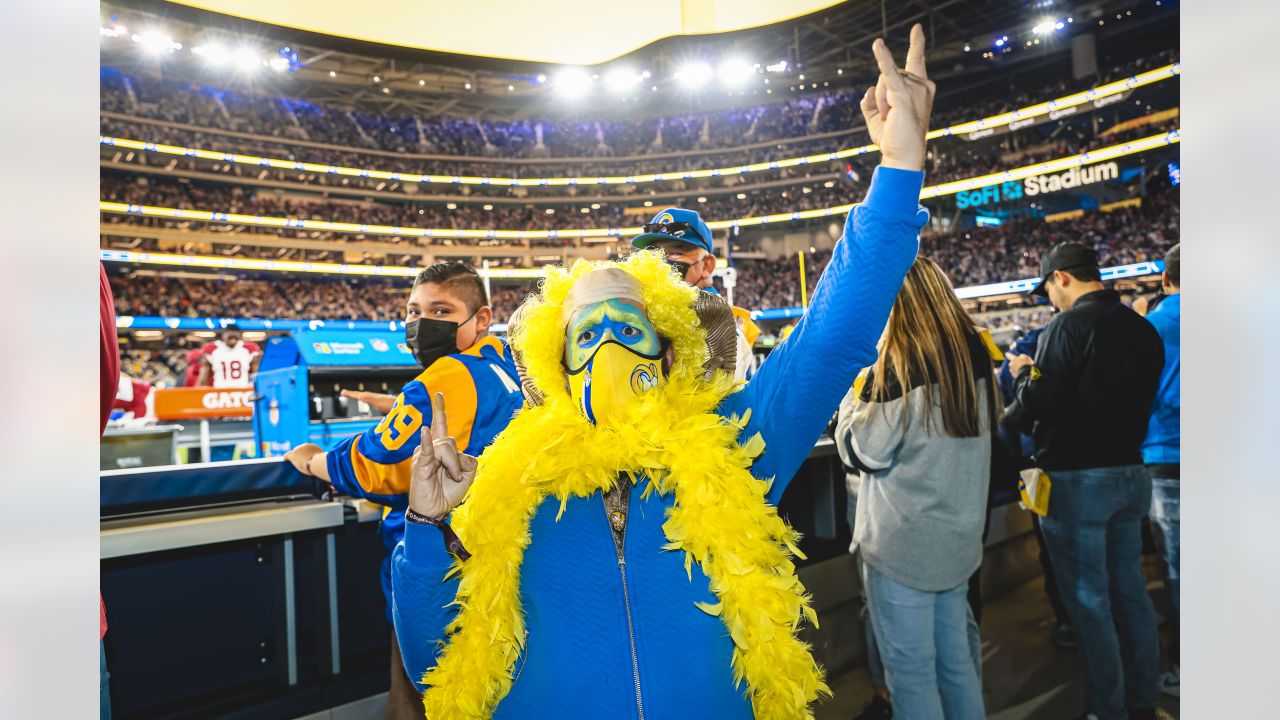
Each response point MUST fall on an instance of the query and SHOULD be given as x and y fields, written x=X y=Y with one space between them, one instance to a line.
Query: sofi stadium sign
x=1038 y=185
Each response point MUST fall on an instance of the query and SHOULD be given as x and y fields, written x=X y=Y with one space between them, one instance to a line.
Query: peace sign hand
x=440 y=475
x=897 y=109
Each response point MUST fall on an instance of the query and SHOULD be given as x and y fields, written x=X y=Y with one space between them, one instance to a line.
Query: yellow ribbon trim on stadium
x=948 y=188
x=995 y=121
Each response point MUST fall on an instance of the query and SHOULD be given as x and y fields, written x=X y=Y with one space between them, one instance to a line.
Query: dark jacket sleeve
x=1041 y=389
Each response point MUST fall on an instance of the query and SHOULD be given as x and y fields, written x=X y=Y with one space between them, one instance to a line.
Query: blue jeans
x=1165 y=502
x=875 y=668
x=925 y=638
x=1094 y=535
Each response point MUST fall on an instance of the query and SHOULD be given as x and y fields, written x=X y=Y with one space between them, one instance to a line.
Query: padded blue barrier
x=181 y=485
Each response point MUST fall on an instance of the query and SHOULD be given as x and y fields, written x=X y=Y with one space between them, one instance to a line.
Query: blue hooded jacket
x=1164 y=437
x=578 y=661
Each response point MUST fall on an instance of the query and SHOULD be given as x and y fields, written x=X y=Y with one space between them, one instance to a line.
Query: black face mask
x=429 y=339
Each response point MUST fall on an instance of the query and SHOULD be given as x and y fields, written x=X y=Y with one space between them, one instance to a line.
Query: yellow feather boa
x=720 y=517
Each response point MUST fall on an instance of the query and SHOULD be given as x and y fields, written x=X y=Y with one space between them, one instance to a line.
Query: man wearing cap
x=1087 y=399
x=686 y=240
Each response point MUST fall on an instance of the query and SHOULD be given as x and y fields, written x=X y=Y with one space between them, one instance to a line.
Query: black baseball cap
x=1064 y=256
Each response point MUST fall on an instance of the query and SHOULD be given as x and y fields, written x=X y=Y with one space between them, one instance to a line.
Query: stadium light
x=154 y=43
x=694 y=75
x=280 y=64
x=778 y=67
x=247 y=59
x=1047 y=25
x=213 y=54
x=620 y=80
x=735 y=72
x=572 y=82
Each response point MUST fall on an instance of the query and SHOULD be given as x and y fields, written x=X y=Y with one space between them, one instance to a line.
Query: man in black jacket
x=1087 y=397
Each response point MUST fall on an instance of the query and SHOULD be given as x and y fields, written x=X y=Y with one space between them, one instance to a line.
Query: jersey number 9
x=399 y=425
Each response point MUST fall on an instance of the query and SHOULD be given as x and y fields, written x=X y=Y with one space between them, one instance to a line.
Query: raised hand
x=440 y=475
x=897 y=108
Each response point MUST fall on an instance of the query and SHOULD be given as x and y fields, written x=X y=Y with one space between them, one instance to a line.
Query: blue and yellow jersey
x=481 y=389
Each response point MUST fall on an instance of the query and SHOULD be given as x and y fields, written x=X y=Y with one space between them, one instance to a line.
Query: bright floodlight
x=213 y=54
x=621 y=80
x=279 y=64
x=247 y=59
x=572 y=82
x=735 y=72
x=1047 y=25
x=694 y=74
x=154 y=43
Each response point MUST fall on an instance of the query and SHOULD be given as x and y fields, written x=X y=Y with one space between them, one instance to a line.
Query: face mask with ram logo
x=613 y=354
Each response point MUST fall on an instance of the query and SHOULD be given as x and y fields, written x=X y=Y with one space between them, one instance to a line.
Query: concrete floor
x=1025 y=677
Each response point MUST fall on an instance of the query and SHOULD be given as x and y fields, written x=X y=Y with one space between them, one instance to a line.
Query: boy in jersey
x=447 y=327
x=230 y=362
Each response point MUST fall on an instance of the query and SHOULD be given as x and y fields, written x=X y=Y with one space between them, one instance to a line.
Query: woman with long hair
x=918 y=428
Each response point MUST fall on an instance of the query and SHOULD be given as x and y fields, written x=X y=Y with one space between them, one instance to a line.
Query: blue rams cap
x=678 y=224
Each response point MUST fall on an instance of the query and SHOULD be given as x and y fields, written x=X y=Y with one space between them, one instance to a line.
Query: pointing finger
x=439 y=420
x=915 y=54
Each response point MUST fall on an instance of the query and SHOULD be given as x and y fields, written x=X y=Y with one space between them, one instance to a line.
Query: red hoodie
x=108 y=378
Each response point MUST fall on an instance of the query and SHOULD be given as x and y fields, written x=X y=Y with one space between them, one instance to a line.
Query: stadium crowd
x=279 y=297
x=817 y=112
x=983 y=255
x=728 y=143
x=821 y=191
x=949 y=160
x=970 y=257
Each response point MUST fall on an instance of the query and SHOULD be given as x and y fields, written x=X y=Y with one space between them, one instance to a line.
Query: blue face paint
x=617 y=321
x=613 y=355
